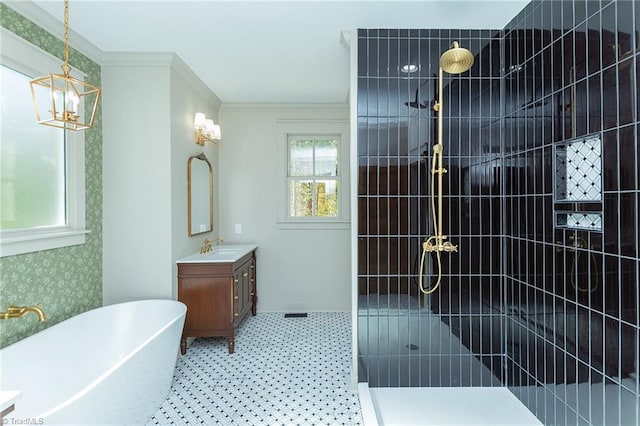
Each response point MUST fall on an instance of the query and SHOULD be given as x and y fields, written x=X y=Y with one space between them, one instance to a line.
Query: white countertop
x=223 y=253
x=8 y=398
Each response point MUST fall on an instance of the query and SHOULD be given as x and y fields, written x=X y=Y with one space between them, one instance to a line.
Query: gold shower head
x=456 y=60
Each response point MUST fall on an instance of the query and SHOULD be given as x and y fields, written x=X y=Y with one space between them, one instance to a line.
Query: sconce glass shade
x=216 y=134
x=208 y=128
x=200 y=121
x=61 y=100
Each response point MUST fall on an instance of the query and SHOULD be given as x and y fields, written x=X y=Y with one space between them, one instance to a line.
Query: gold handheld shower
x=456 y=60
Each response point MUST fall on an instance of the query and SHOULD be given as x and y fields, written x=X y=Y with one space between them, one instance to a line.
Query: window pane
x=301 y=158
x=32 y=160
x=327 y=198
x=301 y=198
x=326 y=157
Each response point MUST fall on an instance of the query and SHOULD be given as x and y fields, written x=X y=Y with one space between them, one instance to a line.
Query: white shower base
x=443 y=406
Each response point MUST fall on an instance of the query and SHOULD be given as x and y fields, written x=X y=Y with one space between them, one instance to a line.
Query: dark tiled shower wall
x=395 y=141
x=571 y=303
x=550 y=310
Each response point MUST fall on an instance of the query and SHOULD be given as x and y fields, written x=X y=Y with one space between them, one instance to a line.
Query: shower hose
x=573 y=272
x=427 y=242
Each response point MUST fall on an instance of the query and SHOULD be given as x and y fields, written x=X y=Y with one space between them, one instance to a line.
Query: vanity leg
x=231 y=343
x=183 y=345
x=254 y=305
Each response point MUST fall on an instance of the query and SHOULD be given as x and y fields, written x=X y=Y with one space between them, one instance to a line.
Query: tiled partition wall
x=571 y=75
x=452 y=337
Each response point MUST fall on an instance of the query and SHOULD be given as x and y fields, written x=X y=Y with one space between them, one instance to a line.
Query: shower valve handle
x=428 y=246
x=448 y=247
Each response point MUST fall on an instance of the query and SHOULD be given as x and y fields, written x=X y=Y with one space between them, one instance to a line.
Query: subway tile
x=627 y=218
x=594 y=103
x=567 y=15
x=363 y=56
x=611 y=222
x=594 y=45
x=612 y=287
x=625 y=27
x=629 y=294
x=608 y=34
x=581 y=101
x=610 y=172
x=580 y=11
x=625 y=94
x=592 y=7
x=581 y=52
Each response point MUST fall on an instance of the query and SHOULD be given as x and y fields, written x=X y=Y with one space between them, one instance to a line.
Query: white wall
x=188 y=96
x=149 y=101
x=148 y=107
x=298 y=269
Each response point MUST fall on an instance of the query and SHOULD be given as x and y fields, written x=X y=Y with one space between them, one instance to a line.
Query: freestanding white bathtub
x=112 y=365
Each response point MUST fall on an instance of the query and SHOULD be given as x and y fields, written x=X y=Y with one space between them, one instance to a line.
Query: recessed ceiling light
x=409 y=68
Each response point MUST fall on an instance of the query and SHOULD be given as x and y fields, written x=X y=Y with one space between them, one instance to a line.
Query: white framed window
x=314 y=169
x=42 y=176
x=313 y=175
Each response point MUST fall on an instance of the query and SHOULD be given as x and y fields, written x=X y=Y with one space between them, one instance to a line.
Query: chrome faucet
x=20 y=311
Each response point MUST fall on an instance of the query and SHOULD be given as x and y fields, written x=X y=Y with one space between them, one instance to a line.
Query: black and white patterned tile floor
x=285 y=371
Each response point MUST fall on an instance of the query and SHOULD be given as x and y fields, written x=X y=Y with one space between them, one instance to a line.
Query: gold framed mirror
x=199 y=195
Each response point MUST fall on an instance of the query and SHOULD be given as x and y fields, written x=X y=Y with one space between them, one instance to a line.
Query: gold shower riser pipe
x=440 y=170
x=440 y=149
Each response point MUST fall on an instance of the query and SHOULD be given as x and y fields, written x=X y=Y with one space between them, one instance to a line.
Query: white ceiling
x=264 y=51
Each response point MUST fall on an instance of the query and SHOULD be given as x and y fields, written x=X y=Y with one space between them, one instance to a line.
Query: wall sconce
x=205 y=129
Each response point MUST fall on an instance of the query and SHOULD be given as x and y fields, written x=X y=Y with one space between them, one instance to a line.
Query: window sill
x=315 y=224
x=13 y=243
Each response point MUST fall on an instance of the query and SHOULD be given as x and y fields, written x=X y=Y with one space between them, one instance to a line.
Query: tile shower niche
x=578 y=184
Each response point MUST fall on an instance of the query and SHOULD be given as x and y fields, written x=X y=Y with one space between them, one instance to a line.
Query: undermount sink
x=218 y=250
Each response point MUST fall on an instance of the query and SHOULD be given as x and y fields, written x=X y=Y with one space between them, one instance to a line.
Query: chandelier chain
x=66 y=67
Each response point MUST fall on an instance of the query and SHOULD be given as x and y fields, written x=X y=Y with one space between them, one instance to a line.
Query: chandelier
x=61 y=100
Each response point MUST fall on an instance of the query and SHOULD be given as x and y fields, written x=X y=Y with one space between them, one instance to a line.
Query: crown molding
x=295 y=106
x=190 y=76
x=159 y=59
x=55 y=27
x=137 y=59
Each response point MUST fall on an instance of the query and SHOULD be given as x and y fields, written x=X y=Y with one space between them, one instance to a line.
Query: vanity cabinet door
x=207 y=300
x=242 y=287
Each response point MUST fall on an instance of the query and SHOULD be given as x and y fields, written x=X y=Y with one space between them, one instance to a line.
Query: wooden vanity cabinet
x=218 y=296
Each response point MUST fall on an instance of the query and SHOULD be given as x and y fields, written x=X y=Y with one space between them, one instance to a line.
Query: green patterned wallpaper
x=65 y=281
